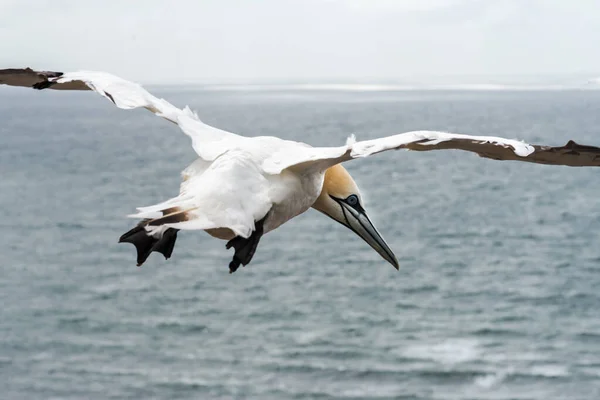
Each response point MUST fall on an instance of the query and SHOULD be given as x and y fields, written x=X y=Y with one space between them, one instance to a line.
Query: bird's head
x=340 y=199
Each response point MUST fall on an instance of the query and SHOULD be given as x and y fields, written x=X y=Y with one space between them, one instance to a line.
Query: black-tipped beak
x=356 y=219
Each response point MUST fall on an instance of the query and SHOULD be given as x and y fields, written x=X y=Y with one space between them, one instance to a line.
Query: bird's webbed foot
x=245 y=247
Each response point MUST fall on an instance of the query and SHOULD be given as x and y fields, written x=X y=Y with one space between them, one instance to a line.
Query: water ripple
x=496 y=299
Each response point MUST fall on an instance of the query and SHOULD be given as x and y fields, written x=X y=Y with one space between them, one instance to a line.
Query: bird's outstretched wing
x=207 y=141
x=496 y=148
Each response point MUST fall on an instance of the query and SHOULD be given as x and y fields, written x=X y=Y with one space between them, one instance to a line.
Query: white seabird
x=241 y=188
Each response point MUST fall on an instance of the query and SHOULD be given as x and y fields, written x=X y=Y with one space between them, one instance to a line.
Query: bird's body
x=278 y=197
x=240 y=188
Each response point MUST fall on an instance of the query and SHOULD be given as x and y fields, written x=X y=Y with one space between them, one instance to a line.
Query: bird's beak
x=357 y=220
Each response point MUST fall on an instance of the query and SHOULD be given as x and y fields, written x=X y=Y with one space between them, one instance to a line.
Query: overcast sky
x=225 y=40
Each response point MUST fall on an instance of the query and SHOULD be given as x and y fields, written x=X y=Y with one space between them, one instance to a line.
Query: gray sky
x=229 y=40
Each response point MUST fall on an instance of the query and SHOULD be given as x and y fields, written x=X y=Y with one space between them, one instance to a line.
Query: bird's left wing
x=496 y=148
x=207 y=141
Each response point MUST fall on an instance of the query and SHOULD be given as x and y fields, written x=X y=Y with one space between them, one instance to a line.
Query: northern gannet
x=243 y=187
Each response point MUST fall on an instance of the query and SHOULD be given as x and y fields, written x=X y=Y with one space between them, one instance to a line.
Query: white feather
x=207 y=141
x=239 y=180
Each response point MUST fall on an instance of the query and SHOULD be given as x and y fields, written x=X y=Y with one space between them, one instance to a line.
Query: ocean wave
x=549 y=371
x=489 y=381
x=495 y=332
x=181 y=327
x=452 y=351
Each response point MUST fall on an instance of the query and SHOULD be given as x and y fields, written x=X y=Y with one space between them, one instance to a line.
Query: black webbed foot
x=234 y=264
x=245 y=248
x=145 y=244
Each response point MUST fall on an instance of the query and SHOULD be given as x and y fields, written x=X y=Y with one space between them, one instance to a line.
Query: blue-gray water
x=498 y=295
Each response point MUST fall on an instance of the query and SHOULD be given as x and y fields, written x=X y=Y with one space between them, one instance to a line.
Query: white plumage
x=240 y=188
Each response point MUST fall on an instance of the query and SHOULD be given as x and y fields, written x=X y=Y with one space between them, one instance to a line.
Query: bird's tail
x=160 y=239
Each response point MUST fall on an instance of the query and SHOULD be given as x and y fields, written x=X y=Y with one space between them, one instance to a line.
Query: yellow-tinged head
x=340 y=199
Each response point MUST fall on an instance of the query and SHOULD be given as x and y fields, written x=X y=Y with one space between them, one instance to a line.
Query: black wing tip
x=28 y=77
x=46 y=75
x=571 y=144
x=43 y=85
x=576 y=147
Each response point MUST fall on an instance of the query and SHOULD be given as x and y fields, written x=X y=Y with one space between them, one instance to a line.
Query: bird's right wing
x=207 y=141
x=496 y=148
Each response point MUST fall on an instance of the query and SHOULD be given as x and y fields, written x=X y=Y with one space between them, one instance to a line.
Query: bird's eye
x=352 y=200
